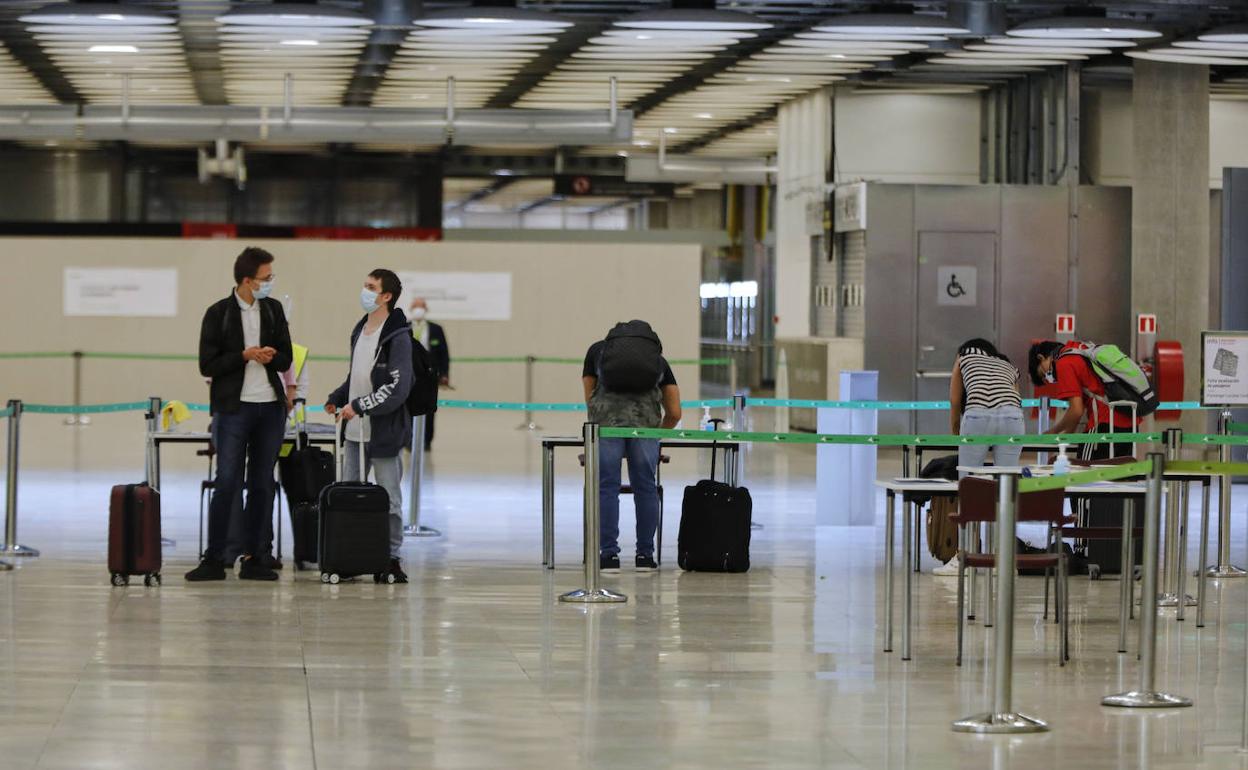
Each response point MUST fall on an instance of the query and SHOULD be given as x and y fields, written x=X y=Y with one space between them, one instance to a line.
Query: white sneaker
x=947 y=570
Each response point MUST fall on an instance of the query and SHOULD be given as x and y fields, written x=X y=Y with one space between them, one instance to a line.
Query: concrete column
x=804 y=157
x=1170 y=205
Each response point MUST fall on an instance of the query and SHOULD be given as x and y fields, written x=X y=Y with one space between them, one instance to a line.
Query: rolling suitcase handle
x=301 y=423
x=341 y=438
x=715 y=423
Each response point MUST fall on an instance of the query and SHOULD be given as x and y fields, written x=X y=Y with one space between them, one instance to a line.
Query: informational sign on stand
x=460 y=296
x=1224 y=368
x=120 y=291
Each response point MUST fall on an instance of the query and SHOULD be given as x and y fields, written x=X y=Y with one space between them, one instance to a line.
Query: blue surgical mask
x=266 y=288
x=368 y=300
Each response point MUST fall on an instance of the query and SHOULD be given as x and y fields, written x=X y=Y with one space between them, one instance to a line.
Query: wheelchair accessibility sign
x=955 y=285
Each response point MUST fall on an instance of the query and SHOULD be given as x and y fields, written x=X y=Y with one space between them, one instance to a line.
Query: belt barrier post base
x=1228 y=571
x=11 y=547
x=1146 y=700
x=1000 y=723
x=18 y=549
x=5 y=566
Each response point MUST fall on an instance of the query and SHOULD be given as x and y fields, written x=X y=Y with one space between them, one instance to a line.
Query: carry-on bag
x=1104 y=555
x=307 y=469
x=354 y=525
x=305 y=472
x=134 y=534
x=715 y=526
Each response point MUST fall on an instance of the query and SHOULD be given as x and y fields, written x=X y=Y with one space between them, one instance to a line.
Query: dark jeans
x=247 y=445
x=428 y=430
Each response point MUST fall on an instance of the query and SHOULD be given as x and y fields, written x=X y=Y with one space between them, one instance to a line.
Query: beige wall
x=907 y=138
x=564 y=296
x=1109 y=147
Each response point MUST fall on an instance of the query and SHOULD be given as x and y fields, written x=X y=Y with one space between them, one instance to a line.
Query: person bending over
x=628 y=384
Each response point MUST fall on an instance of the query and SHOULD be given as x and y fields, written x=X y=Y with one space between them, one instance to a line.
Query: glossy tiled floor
x=475 y=665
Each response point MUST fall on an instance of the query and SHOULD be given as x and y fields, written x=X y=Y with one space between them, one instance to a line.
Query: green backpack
x=1122 y=377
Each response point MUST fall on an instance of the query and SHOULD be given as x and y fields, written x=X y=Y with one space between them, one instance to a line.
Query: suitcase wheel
x=120 y=580
x=152 y=579
x=330 y=577
x=383 y=577
x=324 y=577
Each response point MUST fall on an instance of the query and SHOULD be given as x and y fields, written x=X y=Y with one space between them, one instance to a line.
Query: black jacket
x=221 y=350
x=438 y=348
x=390 y=424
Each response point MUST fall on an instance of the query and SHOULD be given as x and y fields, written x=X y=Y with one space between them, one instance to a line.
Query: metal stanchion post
x=11 y=546
x=1145 y=696
x=528 y=423
x=77 y=419
x=1173 y=584
x=152 y=472
x=1042 y=426
x=592 y=593
x=1003 y=718
x=414 y=528
x=732 y=377
x=1224 y=568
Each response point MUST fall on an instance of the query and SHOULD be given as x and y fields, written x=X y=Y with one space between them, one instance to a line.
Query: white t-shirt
x=362 y=358
x=256 y=386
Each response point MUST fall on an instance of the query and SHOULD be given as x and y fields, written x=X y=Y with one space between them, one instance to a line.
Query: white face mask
x=368 y=300
x=417 y=313
x=266 y=288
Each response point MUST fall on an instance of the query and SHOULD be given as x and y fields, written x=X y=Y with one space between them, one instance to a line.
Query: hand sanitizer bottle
x=706 y=418
x=1061 y=466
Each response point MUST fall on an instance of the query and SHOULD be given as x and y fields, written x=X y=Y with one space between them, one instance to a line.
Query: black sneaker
x=646 y=563
x=208 y=569
x=609 y=563
x=254 y=569
x=270 y=561
x=397 y=571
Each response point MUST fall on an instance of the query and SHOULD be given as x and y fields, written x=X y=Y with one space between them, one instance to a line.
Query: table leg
x=1130 y=538
x=1182 y=549
x=989 y=602
x=1201 y=572
x=1124 y=600
x=548 y=506
x=889 y=508
x=918 y=531
x=908 y=588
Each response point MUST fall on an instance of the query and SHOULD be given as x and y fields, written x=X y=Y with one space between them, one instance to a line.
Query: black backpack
x=631 y=358
x=422 y=399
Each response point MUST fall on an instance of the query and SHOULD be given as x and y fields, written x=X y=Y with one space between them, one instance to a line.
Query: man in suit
x=433 y=337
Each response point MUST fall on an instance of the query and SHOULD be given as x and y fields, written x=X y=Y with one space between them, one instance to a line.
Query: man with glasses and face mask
x=433 y=337
x=244 y=346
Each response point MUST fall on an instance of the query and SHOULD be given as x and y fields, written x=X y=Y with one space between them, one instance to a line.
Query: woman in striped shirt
x=984 y=401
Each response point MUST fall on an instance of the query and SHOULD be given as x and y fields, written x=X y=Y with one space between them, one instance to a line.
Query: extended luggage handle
x=715 y=423
x=301 y=423
x=340 y=437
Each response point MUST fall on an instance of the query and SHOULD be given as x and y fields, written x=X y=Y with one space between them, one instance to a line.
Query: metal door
x=957 y=301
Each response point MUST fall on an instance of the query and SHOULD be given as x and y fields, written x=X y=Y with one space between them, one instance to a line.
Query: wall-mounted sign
x=460 y=296
x=955 y=285
x=120 y=291
x=1146 y=323
x=1224 y=368
x=574 y=185
x=1064 y=324
x=849 y=207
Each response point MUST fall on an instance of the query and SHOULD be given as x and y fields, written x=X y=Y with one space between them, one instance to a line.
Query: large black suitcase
x=1104 y=555
x=715 y=526
x=354 y=528
x=305 y=526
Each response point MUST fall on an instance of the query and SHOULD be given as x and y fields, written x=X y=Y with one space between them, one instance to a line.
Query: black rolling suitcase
x=715 y=526
x=354 y=526
x=305 y=472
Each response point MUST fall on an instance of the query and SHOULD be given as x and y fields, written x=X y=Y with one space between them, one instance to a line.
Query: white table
x=910 y=488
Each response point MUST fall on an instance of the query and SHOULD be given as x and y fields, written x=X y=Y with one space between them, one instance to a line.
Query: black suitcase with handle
x=354 y=527
x=715 y=526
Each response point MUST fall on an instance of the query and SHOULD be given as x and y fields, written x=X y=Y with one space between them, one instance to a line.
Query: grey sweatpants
x=388 y=472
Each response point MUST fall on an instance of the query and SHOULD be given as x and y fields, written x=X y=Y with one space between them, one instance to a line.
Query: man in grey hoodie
x=376 y=388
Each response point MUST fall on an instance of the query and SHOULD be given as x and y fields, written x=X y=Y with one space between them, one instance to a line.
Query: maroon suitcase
x=134 y=534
